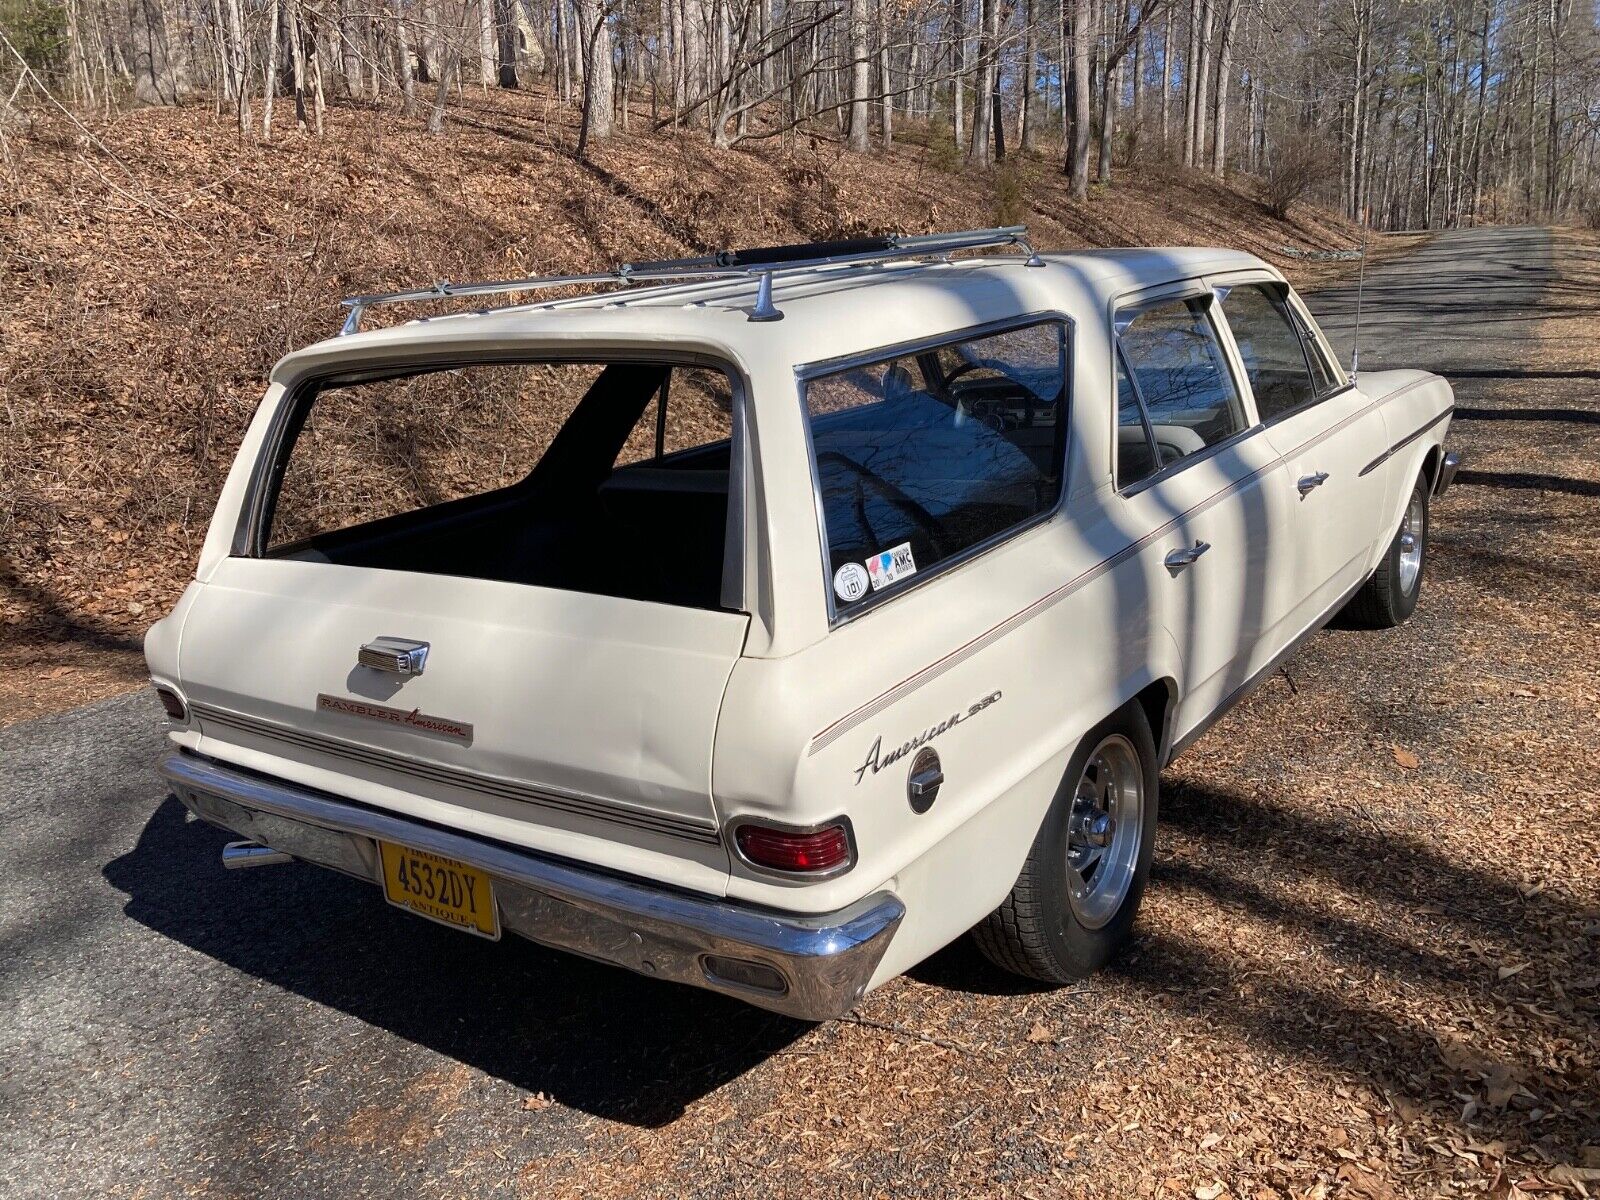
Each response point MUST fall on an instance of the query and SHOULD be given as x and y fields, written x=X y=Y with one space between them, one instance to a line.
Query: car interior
x=654 y=530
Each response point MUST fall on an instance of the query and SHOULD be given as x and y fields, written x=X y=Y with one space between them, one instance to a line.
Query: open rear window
x=611 y=478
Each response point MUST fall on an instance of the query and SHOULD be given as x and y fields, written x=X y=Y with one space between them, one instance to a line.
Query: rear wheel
x=1074 y=903
x=1390 y=596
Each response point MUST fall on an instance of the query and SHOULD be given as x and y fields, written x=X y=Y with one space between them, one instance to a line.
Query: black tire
x=1385 y=600
x=1035 y=932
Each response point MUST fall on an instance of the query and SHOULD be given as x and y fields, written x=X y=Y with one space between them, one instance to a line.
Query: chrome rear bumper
x=824 y=961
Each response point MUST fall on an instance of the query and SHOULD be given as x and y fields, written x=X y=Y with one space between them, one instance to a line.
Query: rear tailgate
x=577 y=724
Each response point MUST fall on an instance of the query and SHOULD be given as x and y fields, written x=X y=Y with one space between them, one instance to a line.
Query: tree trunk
x=269 y=76
x=442 y=93
x=596 y=121
x=885 y=85
x=1202 y=85
x=488 y=45
x=1027 y=118
x=402 y=66
x=1219 y=147
x=1078 y=153
x=1110 y=92
x=1166 y=80
x=237 y=70
x=860 y=76
x=1135 y=129
x=297 y=55
x=958 y=38
x=981 y=153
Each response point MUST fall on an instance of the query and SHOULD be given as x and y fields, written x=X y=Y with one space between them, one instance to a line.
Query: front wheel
x=1073 y=905
x=1390 y=596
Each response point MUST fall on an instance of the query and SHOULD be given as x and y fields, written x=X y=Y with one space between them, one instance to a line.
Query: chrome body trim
x=1448 y=466
x=398 y=656
x=1406 y=441
x=412 y=769
x=825 y=959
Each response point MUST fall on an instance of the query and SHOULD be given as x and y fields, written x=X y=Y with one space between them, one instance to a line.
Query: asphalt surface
x=168 y=1028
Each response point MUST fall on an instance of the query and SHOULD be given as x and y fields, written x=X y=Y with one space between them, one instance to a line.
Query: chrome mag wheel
x=1103 y=831
x=1412 y=531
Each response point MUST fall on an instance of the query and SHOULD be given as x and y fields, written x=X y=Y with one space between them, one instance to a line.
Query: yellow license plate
x=440 y=889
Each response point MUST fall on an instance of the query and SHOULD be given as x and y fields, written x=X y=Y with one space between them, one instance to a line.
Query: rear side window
x=1175 y=366
x=923 y=457
x=611 y=478
x=1269 y=343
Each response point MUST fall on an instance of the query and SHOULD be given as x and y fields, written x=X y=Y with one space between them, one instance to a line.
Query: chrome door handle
x=1177 y=560
x=1309 y=483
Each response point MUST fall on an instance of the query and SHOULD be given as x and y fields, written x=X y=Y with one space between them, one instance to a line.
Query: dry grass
x=152 y=270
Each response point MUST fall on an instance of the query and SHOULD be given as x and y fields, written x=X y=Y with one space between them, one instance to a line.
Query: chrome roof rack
x=760 y=263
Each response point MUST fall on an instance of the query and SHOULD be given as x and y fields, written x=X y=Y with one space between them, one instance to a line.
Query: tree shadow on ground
x=593 y=1037
x=1433 y=926
x=48 y=619
x=1524 y=480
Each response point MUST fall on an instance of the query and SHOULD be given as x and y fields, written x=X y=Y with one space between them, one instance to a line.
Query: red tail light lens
x=808 y=853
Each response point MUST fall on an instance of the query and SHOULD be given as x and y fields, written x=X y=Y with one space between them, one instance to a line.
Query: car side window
x=1177 y=369
x=1270 y=345
x=923 y=456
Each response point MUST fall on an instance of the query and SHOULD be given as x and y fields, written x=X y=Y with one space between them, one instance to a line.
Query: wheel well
x=1157 y=701
x=1430 y=467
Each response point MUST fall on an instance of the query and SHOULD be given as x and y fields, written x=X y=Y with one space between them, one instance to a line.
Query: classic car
x=767 y=621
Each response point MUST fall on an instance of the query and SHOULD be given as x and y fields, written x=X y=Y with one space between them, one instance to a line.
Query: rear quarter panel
x=1418 y=407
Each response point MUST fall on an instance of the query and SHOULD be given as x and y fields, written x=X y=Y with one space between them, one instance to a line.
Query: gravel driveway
x=1369 y=963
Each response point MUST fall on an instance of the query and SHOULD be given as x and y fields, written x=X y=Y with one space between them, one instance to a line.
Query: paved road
x=169 y=1028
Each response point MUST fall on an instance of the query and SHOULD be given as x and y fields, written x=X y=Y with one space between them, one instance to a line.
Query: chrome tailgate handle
x=398 y=656
x=1180 y=558
x=1309 y=483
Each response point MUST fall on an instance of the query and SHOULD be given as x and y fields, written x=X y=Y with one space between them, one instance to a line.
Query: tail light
x=173 y=703
x=814 y=852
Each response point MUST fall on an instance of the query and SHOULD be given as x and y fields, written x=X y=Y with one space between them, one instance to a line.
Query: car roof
x=827 y=313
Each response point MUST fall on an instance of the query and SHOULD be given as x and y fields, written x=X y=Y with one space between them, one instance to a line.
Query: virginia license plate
x=440 y=889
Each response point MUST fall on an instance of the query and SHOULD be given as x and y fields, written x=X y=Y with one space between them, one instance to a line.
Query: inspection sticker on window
x=850 y=581
x=891 y=565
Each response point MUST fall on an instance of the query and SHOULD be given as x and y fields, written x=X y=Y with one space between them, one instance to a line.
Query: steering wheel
x=896 y=496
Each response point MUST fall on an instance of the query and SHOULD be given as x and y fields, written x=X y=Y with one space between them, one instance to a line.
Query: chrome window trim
x=266 y=475
x=807 y=372
x=1241 y=387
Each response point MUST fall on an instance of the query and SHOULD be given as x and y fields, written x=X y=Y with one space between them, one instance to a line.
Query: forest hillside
x=154 y=268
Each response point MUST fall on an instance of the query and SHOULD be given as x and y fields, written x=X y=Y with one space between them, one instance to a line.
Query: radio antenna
x=1361 y=283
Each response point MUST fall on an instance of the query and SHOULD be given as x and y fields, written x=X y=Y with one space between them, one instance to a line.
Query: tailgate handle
x=398 y=656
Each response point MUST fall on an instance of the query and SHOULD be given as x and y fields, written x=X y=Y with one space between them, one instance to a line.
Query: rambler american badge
x=415 y=720
x=877 y=760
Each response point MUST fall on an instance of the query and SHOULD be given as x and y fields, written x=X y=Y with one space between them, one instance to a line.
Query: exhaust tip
x=238 y=855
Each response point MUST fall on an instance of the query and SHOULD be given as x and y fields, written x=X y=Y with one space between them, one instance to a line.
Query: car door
x=1324 y=428
x=1197 y=475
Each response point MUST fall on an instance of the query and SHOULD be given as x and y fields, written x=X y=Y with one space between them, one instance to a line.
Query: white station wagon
x=770 y=626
